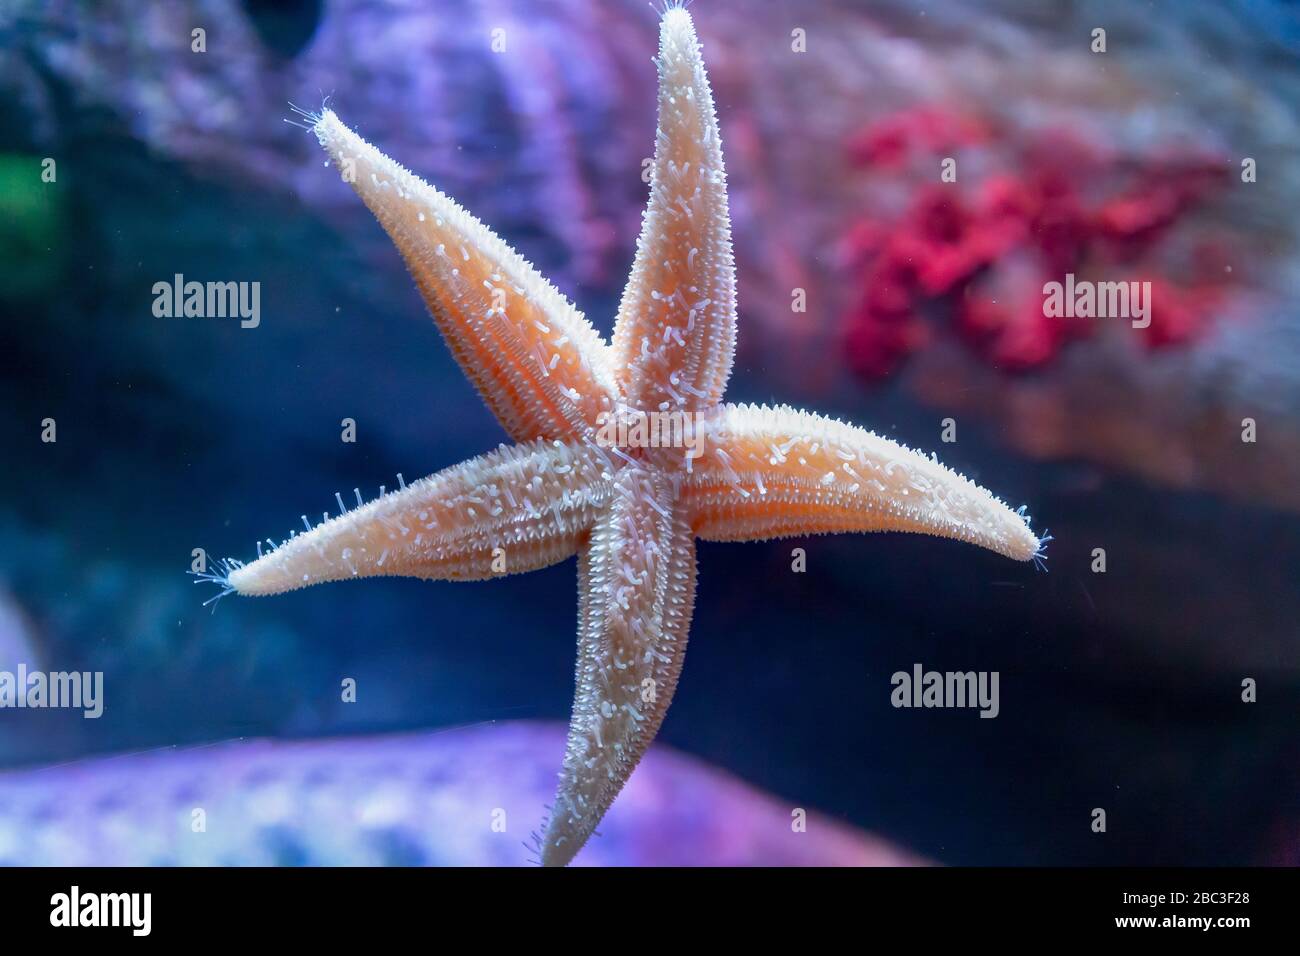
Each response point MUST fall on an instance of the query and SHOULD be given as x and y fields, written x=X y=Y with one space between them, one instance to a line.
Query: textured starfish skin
x=631 y=514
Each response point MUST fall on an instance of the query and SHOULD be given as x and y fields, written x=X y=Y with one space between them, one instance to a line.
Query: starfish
x=630 y=508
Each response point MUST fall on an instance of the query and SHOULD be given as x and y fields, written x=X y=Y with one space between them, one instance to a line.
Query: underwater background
x=1120 y=689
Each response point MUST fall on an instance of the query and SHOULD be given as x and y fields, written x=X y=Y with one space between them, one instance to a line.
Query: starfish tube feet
x=776 y=472
x=675 y=335
x=539 y=365
x=515 y=509
x=637 y=592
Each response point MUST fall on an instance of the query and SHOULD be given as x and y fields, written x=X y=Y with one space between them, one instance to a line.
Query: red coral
x=948 y=257
x=1178 y=316
x=890 y=142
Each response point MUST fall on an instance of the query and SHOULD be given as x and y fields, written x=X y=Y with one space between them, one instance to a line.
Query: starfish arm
x=637 y=592
x=515 y=509
x=676 y=330
x=539 y=365
x=777 y=472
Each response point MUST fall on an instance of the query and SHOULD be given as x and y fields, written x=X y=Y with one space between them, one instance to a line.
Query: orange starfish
x=628 y=505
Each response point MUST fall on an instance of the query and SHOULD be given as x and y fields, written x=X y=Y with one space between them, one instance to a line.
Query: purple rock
x=467 y=797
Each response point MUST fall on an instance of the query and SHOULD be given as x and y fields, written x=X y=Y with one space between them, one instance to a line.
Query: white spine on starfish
x=675 y=335
x=636 y=594
x=772 y=472
x=539 y=365
x=515 y=509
